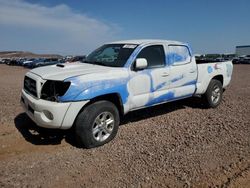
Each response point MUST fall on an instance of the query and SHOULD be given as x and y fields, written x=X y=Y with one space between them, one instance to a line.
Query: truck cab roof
x=147 y=41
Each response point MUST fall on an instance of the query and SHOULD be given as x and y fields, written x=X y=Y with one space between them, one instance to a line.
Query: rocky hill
x=22 y=54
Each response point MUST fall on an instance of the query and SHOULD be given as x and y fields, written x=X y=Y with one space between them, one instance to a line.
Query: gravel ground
x=179 y=144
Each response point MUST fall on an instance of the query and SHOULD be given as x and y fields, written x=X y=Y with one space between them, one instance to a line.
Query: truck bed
x=210 y=70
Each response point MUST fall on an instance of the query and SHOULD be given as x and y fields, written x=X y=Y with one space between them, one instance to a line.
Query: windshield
x=113 y=55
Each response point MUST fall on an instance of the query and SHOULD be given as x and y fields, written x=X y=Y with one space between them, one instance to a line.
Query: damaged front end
x=52 y=90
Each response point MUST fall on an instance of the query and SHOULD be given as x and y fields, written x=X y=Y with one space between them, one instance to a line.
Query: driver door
x=148 y=86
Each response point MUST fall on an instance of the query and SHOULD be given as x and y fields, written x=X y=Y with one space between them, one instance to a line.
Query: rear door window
x=178 y=55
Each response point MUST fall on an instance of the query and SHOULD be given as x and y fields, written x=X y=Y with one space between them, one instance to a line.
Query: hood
x=55 y=72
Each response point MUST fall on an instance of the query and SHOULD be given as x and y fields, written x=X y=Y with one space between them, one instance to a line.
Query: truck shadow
x=161 y=109
x=42 y=136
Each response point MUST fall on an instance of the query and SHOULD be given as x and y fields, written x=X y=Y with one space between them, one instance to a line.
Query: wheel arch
x=219 y=78
x=115 y=98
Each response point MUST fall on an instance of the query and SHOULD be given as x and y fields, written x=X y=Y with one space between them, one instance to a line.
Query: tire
x=213 y=95
x=97 y=124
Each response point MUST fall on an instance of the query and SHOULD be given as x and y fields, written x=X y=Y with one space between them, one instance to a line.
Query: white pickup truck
x=115 y=79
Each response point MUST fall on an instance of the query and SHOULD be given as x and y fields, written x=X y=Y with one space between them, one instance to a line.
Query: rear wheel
x=213 y=95
x=97 y=124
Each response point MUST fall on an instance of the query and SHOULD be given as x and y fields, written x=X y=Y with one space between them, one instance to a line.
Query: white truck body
x=179 y=77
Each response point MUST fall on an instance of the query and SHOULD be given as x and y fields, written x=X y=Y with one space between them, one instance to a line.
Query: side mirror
x=140 y=63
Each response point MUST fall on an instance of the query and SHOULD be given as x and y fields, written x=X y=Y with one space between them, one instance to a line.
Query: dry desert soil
x=179 y=144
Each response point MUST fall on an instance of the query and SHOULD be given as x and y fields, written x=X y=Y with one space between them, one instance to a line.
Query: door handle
x=192 y=71
x=165 y=74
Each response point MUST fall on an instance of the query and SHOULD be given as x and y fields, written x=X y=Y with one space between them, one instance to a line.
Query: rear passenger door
x=183 y=71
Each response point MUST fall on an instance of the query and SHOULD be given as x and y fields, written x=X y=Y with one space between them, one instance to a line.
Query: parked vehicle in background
x=20 y=61
x=41 y=62
x=236 y=60
x=32 y=64
x=219 y=59
x=76 y=59
x=27 y=61
x=115 y=79
x=7 y=61
x=245 y=59
x=12 y=62
x=49 y=61
x=4 y=61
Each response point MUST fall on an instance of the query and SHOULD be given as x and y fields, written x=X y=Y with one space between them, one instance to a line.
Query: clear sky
x=77 y=26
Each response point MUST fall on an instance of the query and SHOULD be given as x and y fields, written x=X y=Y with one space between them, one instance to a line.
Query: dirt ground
x=179 y=144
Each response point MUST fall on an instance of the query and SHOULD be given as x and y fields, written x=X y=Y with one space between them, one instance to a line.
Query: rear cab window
x=178 y=55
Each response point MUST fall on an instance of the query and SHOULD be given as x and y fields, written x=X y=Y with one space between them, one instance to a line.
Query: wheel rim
x=103 y=126
x=216 y=94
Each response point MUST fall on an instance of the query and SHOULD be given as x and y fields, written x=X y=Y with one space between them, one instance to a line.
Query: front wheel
x=97 y=124
x=213 y=95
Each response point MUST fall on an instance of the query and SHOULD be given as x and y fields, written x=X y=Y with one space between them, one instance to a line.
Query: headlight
x=51 y=90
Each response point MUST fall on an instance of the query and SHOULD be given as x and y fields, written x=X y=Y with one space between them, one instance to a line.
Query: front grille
x=30 y=86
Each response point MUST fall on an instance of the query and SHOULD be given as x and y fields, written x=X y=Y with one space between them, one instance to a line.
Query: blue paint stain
x=85 y=90
x=153 y=88
x=170 y=59
x=102 y=90
x=132 y=57
x=177 y=78
x=175 y=58
x=209 y=69
x=170 y=96
x=80 y=90
x=160 y=86
x=148 y=72
x=193 y=82
x=165 y=97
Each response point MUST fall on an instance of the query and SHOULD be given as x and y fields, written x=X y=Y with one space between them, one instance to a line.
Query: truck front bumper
x=51 y=114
